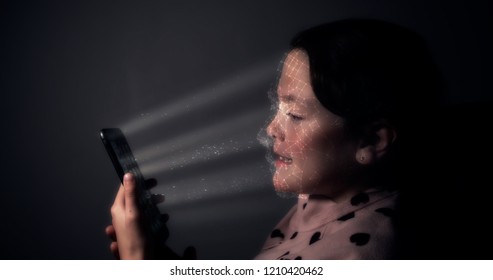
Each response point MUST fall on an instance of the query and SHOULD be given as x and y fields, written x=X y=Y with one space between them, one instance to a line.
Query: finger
x=190 y=253
x=150 y=183
x=119 y=199
x=131 y=196
x=164 y=218
x=110 y=231
x=165 y=253
x=157 y=198
x=164 y=232
x=114 y=250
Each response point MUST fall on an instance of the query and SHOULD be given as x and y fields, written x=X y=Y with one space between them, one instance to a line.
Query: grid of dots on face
x=308 y=140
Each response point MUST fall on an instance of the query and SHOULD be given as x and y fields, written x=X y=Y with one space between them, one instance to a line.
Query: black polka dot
x=276 y=233
x=304 y=206
x=389 y=212
x=294 y=235
x=298 y=258
x=346 y=217
x=360 y=239
x=315 y=237
x=360 y=198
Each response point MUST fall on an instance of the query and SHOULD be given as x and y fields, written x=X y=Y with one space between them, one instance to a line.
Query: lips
x=285 y=159
x=282 y=160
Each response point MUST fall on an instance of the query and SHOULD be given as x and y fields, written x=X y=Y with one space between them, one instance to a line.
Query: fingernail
x=158 y=198
x=128 y=177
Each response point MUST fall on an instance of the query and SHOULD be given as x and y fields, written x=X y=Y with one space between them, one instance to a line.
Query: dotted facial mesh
x=305 y=138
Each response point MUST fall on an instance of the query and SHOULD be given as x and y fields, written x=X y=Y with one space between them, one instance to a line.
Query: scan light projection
x=305 y=137
x=217 y=159
x=200 y=98
x=195 y=166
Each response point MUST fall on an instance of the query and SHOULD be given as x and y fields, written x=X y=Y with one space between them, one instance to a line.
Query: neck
x=336 y=193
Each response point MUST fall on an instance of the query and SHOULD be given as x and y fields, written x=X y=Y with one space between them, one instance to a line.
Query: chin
x=286 y=186
x=284 y=192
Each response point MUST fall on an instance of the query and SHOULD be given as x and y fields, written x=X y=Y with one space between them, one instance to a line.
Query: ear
x=376 y=141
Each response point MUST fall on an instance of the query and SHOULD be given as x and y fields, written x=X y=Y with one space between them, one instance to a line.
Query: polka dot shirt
x=319 y=228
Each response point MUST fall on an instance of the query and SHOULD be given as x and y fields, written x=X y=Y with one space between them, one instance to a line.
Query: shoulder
x=362 y=228
x=367 y=232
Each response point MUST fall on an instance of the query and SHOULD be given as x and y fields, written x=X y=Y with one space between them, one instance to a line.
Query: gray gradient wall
x=69 y=68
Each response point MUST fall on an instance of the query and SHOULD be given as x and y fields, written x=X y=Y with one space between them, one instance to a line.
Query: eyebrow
x=290 y=98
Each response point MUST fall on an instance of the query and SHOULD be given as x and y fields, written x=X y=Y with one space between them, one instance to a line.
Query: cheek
x=319 y=153
x=308 y=144
x=315 y=158
x=298 y=141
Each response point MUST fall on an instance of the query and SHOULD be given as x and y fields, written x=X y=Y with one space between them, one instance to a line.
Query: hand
x=129 y=232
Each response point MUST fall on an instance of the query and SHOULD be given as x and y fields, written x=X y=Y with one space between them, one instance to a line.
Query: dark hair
x=363 y=70
x=368 y=70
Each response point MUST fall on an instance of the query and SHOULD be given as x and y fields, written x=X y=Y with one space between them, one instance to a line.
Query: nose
x=274 y=130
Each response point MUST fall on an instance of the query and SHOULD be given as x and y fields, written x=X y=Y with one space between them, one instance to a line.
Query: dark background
x=69 y=68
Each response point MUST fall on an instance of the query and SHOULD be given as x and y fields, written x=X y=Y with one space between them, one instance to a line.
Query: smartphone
x=124 y=161
x=120 y=154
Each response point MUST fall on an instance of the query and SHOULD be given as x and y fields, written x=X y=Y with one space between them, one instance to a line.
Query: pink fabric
x=319 y=228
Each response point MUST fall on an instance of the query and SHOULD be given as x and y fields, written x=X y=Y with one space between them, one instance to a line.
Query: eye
x=294 y=117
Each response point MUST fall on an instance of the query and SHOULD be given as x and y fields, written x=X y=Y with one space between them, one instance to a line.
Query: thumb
x=131 y=194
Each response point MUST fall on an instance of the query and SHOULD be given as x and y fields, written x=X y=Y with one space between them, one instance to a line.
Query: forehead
x=294 y=83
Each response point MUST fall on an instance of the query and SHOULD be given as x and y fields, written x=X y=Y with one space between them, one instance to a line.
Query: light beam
x=259 y=74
